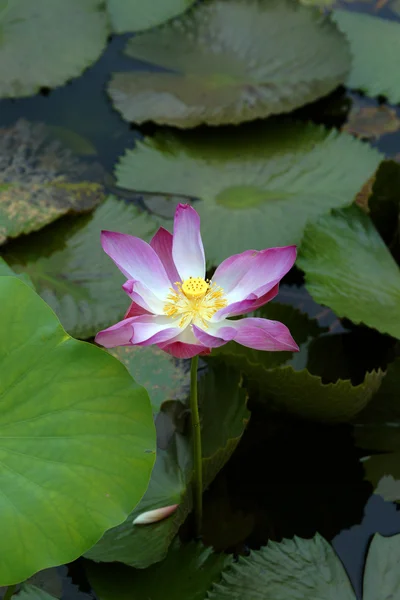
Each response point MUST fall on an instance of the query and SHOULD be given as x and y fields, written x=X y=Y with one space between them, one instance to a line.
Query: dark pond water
x=287 y=477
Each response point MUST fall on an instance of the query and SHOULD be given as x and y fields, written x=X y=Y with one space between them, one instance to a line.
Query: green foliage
x=292 y=569
x=164 y=377
x=374 y=66
x=72 y=36
x=31 y=592
x=310 y=569
x=136 y=15
x=377 y=433
x=71 y=271
x=76 y=439
x=186 y=573
x=292 y=388
x=349 y=268
x=258 y=185
x=224 y=416
x=228 y=61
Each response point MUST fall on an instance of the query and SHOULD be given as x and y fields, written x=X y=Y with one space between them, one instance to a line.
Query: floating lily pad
x=70 y=270
x=136 y=15
x=41 y=180
x=224 y=416
x=228 y=61
x=375 y=67
x=349 y=268
x=371 y=122
x=65 y=436
x=31 y=592
x=300 y=568
x=46 y=42
x=164 y=377
x=258 y=186
x=187 y=573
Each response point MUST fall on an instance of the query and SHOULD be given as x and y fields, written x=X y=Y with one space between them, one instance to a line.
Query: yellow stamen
x=196 y=300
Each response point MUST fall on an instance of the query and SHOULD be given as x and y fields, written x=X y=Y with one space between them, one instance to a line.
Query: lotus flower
x=175 y=307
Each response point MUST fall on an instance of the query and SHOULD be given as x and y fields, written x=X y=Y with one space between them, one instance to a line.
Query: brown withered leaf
x=41 y=180
x=370 y=122
x=365 y=193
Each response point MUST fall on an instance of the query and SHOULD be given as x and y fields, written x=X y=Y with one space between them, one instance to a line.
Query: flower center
x=195 y=287
x=196 y=300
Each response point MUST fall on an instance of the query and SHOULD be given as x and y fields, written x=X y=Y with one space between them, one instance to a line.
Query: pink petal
x=135 y=310
x=248 y=305
x=162 y=245
x=263 y=334
x=253 y=272
x=183 y=350
x=137 y=260
x=187 y=247
x=215 y=336
x=143 y=330
x=260 y=334
x=119 y=334
x=144 y=297
x=153 y=516
x=184 y=345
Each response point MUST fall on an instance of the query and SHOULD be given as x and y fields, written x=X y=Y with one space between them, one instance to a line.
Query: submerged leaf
x=137 y=15
x=46 y=42
x=40 y=180
x=349 y=268
x=186 y=573
x=71 y=271
x=258 y=185
x=76 y=449
x=228 y=61
x=375 y=66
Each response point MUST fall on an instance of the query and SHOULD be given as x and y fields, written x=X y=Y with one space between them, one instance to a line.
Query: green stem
x=197 y=462
x=10 y=592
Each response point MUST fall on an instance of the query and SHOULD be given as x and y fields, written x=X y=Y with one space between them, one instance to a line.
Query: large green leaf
x=222 y=401
x=290 y=570
x=374 y=66
x=164 y=377
x=46 y=42
x=136 y=15
x=71 y=271
x=76 y=439
x=185 y=574
x=228 y=61
x=349 y=268
x=284 y=384
x=41 y=180
x=258 y=185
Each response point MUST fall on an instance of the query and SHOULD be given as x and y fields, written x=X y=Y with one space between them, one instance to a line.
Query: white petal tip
x=153 y=516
